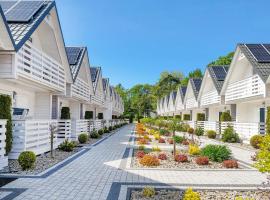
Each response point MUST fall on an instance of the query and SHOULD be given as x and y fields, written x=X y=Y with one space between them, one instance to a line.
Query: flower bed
x=164 y=194
x=171 y=163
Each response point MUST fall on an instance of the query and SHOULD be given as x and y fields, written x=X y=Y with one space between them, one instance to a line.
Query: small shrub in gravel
x=94 y=135
x=202 y=160
x=211 y=134
x=190 y=130
x=149 y=161
x=106 y=130
x=230 y=136
x=178 y=139
x=161 y=140
x=164 y=132
x=216 y=153
x=141 y=147
x=230 y=164
x=199 y=131
x=110 y=128
x=156 y=149
x=140 y=154
x=162 y=156
x=256 y=140
x=191 y=195
x=181 y=158
x=193 y=149
x=66 y=146
x=27 y=160
x=100 y=131
x=185 y=142
x=83 y=138
x=149 y=192
x=170 y=141
x=142 y=141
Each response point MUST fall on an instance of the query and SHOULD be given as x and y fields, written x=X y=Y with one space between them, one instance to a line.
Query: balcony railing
x=97 y=99
x=3 y=158
x=36 y=66
x=81 y=90
x=210 y=98
x=250 y=87
x=191 y=103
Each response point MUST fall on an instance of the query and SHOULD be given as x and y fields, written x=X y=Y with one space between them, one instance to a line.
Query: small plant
x=242 y=198
x=142 y=141
x=178 y=139
x=161 y=140
x=156 y=136
x=256 y=141
x=65 y=113
x=225 y=117
x=162 y=156
x=211 y=134
x=66 y=146
x=190 y=130
x=199 y=131
x=106 y=130
x=193 y=149
x=27 y=160
x=94 y=134
x=110 y=128
x=181 y=158
x=149 y=160
x=230 y=164
x=170 y=141
x=140 y=154
x=186 y=117
x=141 y=147
x=156 y=149
x=100 y=131
x=230 y=136
x=191 y=195
x=200 y=117
x=83 y=138
x=185 y=142
x=148 y=192
x=202 y=160
x=146 y=137
x=164 y=132
x=217 y=153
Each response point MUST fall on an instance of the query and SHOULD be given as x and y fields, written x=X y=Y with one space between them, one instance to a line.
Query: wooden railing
x=37 y=66
x=3 y=158
x=250 y=87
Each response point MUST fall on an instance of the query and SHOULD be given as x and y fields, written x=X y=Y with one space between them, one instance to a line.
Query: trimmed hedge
x=65 y=113
x=88 y=115
x=225 y=117
x=5 y=113
x=186 y=117
x=27 y=160
x=200 y=117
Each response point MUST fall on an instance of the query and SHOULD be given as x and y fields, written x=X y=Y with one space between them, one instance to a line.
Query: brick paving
x=91 y=175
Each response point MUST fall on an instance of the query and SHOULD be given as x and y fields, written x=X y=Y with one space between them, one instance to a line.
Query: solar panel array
x=260 y=52
x=73 y=55
x=197 y=84
x=220 y=72
x=93 y=74
x=22 y=11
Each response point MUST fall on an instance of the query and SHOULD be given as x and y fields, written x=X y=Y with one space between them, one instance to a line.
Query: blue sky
x=134 y=40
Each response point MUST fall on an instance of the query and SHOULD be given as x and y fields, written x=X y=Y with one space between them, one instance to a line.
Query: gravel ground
x=171 y=164
x=165 y=194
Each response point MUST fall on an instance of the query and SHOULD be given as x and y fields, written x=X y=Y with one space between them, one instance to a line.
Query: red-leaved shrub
x=140 y=154
x=230 y=164
x=170 y=141
x=185 y=142
x=162 y=156
x=181 y=158
x=149 y=160
x=202 y=160
x=161 y=140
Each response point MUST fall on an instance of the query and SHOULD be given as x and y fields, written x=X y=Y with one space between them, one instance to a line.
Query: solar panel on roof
x=267 y=46
x=220 y=72
x=23 y=11
x=259 y=52
x=73 y=55
x=197 y=83
x=7 y=5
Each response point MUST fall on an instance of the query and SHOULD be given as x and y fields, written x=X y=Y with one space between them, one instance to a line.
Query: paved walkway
x=91 y=175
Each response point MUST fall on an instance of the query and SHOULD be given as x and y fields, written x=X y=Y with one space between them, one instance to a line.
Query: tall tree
x=197 y=73
x=223 y=60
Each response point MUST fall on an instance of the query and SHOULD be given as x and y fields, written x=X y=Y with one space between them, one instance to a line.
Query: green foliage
x=100 y=131
x=94 y=134
x=256 y=141
x=83 y=137
x=199 y=131
x=230 y=136
x=148 y=192
x=191 y=195
x=164 y=132
x=110 y=128
x=5 y=113
x=27 y=160
x=88 y=115
x=106 y=130
x=186 y=117
x=100 y=115
x=179 y=117
x=200 y=117
x=268 y=121
x=178 y=139
x=223 y=60
x=66 y=146
x=263 y=157
x=65 y=113
x=211 y=134
x=225 y=117
x=217 y=153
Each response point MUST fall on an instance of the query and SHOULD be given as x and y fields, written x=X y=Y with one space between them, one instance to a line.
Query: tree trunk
x=174 y=145
x=52 y=144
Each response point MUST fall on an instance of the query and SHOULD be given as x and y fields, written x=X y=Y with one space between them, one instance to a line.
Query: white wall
x=43 y=106
x=248 y=112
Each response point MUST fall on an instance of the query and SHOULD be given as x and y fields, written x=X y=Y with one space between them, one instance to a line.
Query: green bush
x=5 y=113
x=268 y=121
x=27 y=160
x=256 y=141
x=186 y=117
x=178 y=117
x=217 y=153
x=88 y=115
x=83 y=137
x=66 y=146
x=211 y=134
x=163 y=132
x=225 y=117
x=106 y=130
x=178 y=139
x=100 y=115
x=65 y=113
x=199 y=131
x=94 y=134
x=110 y=128
x=200 y=117
x=230 y=136
x=100 y=131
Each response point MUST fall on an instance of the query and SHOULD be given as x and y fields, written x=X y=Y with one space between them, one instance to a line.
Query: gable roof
x=20 y=32
x=218 y=75
x=105 y=83
x=263 y=69
x=182 y=90
x=196 y=85
x=75 y=58
x=94 y=73
x=174 y=93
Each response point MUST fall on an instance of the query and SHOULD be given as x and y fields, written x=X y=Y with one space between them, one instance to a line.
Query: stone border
x=14 y=192
x=121 y=189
